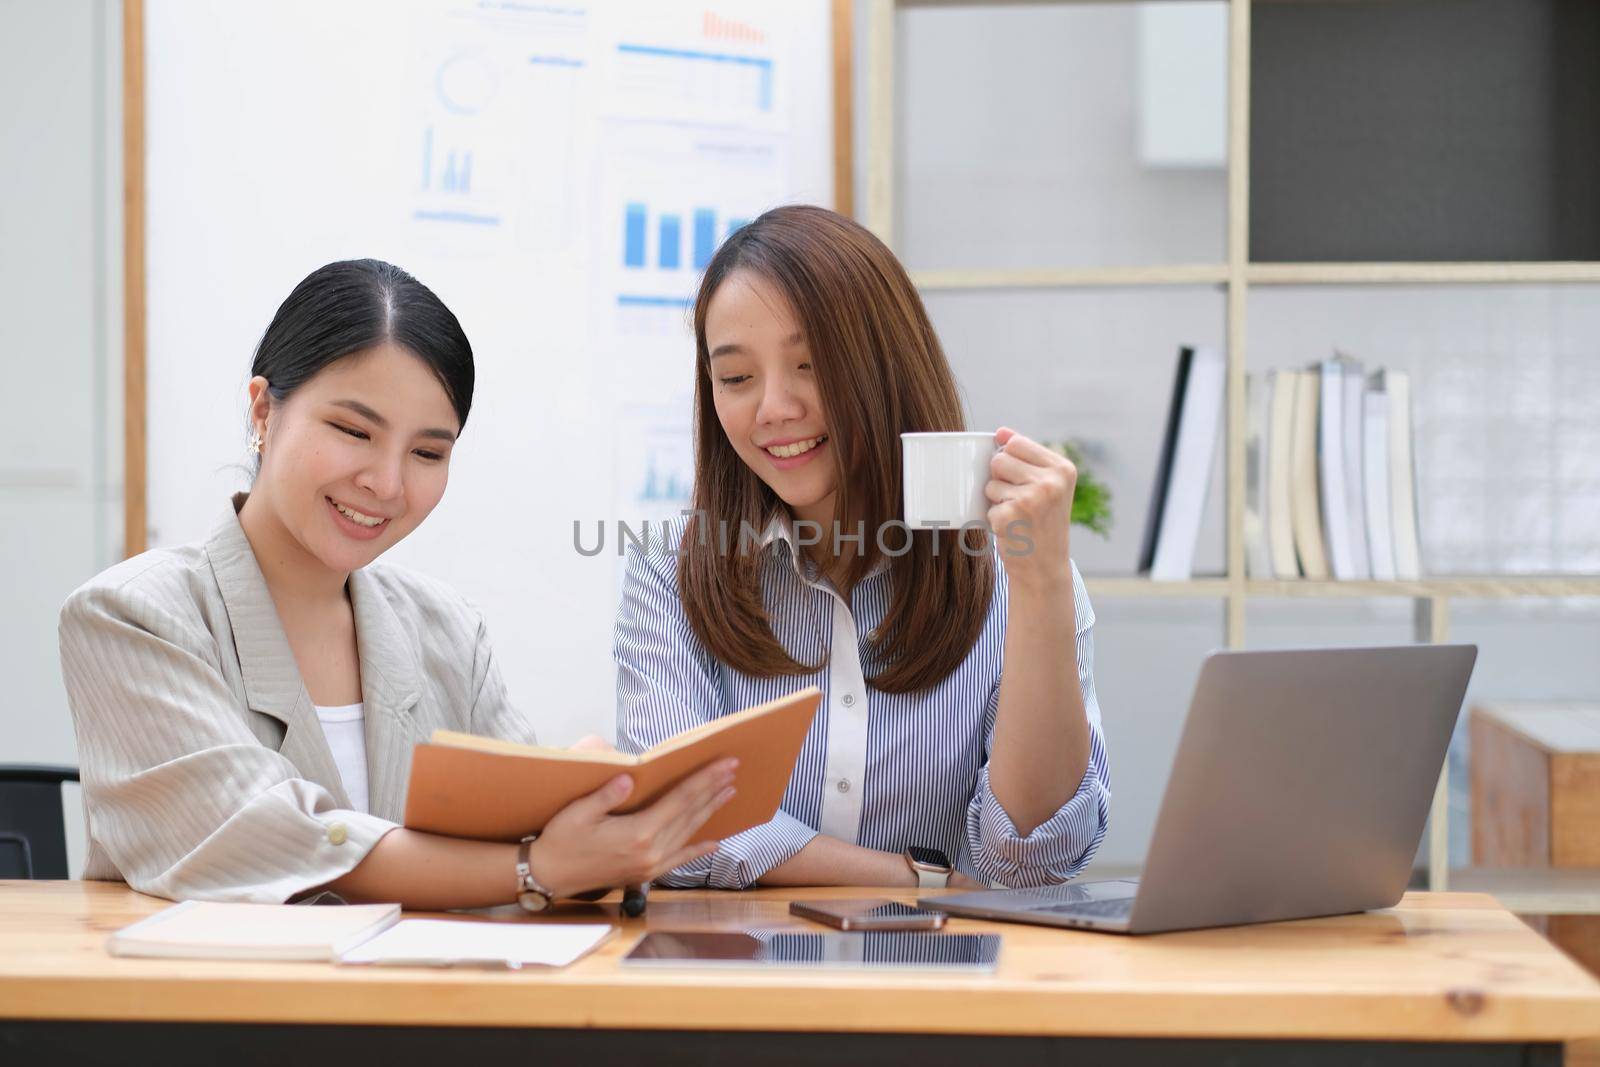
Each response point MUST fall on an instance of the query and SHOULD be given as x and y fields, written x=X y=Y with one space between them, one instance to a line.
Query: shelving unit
x=1431 y=597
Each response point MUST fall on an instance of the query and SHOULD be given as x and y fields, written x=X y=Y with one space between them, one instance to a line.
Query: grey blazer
x=206 y=774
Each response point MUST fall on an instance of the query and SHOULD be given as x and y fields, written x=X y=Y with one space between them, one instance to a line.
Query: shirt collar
x=779 y=529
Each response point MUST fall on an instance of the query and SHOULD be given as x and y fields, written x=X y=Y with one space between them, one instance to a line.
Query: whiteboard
x=557 y=173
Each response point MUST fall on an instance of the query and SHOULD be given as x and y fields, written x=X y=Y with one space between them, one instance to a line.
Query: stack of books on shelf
x=1330 y=486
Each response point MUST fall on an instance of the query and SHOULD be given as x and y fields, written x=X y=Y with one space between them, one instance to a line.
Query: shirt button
x=337 y=833
x=849 y=699
x=844 y=785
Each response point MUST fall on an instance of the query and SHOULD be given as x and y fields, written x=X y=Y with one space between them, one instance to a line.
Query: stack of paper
x=357 y=933
x=447 y=943
x=210 y=931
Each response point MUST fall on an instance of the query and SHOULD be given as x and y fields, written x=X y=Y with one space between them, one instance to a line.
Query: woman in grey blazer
x=246 y=706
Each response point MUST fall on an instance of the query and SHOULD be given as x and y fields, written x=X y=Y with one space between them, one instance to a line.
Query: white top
x=345 y=728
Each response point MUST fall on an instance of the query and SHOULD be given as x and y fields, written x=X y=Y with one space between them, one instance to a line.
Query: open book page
x=705 y=729
x=621 y=759
x=512 y=748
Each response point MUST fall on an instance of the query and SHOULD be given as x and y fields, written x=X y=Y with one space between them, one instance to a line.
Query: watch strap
x=930 y=875
x=531 y=893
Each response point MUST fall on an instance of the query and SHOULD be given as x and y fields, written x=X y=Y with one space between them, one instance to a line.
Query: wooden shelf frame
x=1551 y=273
x=1236 y=276
x=1459 y=587
x=1258 y=274
x=1072 y=277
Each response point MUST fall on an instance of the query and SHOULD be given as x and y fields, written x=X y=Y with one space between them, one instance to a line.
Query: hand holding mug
x=1030 y=491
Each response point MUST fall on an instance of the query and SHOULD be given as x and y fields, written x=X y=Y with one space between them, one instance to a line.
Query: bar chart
x=450 y=171
x=708 y=228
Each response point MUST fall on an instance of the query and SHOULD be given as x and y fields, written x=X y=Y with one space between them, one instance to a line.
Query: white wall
x=60 y=350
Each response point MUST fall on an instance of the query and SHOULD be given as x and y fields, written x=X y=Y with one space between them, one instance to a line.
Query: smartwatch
x=931 y=867
x=531 y=894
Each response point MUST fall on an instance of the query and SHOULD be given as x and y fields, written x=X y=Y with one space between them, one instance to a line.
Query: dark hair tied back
x=354 y=305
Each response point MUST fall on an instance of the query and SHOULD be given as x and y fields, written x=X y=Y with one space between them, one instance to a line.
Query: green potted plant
x=1091 y=503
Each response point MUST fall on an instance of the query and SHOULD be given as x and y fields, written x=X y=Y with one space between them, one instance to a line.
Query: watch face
x=928 y=857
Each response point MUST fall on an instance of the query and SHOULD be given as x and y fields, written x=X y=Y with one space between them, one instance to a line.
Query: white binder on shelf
x=1189 y=476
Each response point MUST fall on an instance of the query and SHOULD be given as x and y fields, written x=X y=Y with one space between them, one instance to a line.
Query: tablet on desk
x=864 y=951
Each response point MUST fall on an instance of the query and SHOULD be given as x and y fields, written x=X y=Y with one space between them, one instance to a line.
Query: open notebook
x=469 y=786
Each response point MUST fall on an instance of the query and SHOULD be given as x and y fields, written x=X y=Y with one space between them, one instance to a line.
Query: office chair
x=33 y=827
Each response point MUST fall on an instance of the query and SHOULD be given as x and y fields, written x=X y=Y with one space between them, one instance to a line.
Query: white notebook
x=212 y=931
x=1375 y=455
x=448 y=943
x=1354 y=442
x=1280 y=461
x=1257 y=493
x=1190 y=476
x=1402 y=478
x=1336 y=519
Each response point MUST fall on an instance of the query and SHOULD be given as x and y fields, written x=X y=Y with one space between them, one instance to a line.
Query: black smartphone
x=867 y=914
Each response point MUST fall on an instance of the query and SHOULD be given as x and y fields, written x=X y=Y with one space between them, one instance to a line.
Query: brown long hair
x=880 y=372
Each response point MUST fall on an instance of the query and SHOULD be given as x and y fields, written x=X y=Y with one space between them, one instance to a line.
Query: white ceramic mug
x=943 y=475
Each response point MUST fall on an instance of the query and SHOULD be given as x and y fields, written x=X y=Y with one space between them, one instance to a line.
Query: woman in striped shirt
x=814 y=353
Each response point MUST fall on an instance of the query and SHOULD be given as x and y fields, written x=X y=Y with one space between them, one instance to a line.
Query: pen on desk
x=634 y=898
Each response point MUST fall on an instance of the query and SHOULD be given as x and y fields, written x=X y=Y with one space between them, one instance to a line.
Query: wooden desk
x=1441 y=978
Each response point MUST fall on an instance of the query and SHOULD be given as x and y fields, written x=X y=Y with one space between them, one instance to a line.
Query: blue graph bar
x=631 y=300
x=457 y=172
x=468 y=217
x=735 y=225
x=705 y=236
x=670 y=251
x=633 y=236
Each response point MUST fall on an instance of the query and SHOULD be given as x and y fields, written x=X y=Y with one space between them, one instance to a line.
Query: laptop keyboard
x=1097 y=909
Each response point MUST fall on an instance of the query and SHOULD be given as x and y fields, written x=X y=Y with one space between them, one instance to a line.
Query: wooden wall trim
x=844 y=107
x=135 y=517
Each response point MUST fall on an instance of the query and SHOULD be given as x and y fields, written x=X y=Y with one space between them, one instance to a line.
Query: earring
x=255 y=443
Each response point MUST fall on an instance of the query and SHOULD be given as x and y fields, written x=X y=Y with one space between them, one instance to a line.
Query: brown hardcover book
x=469 y=786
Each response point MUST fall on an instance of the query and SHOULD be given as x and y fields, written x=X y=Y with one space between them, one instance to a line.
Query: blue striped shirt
x=881 y=770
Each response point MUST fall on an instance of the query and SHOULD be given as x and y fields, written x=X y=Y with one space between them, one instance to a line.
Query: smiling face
x=764 y=388
x=356 y=457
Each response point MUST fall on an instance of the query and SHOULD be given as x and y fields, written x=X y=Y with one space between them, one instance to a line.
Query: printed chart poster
x=503 y=127
x=693 y=143
x=656 y=460
x=668 y=197
x=689 y=63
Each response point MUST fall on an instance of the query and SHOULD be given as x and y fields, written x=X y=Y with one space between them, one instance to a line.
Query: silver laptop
x=1300 y=788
